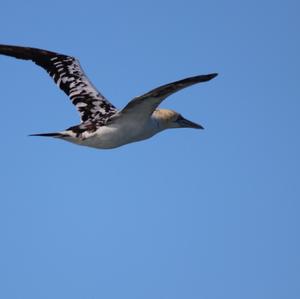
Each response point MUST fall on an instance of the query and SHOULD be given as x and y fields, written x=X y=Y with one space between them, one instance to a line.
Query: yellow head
x=168 y=119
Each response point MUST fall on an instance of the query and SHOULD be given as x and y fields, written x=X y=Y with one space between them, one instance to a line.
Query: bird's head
x=169 y=119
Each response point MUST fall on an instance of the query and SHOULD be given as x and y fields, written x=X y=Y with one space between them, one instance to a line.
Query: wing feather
x=143 y=106
x=69 y=76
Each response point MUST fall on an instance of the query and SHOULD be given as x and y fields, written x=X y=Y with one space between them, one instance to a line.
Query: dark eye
x=179 y=117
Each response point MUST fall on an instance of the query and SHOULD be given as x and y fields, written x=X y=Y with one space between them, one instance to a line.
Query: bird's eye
x=179 y=117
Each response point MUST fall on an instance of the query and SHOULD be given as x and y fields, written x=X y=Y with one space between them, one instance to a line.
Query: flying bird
x=102 y=124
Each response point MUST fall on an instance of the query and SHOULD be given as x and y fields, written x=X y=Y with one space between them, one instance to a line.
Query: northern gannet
x=102 y=125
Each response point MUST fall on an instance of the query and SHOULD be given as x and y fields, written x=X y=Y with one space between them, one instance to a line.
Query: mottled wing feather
x=69 y=76
x=144 y=105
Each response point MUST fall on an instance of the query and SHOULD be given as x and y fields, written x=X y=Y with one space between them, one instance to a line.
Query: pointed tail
x=55 y=135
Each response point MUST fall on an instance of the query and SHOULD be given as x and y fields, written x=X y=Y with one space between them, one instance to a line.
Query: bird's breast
x=120 y=133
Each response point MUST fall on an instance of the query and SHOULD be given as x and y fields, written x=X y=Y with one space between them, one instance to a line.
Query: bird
x=102 y=125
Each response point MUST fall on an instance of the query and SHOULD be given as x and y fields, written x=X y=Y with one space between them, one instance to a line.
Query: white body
x=118 y=133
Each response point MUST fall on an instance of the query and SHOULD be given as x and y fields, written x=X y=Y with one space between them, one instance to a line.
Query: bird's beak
x=184 y=123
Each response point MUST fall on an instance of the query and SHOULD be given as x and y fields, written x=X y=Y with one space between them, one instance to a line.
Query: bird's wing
x=143 y=106
x=69 y=76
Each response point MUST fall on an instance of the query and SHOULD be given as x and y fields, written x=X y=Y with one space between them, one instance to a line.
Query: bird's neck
x=158 y=123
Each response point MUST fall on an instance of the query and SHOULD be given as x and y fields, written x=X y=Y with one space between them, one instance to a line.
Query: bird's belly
x=108 y=137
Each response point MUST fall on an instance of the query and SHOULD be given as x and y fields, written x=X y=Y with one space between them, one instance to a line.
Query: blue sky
x=188 y=214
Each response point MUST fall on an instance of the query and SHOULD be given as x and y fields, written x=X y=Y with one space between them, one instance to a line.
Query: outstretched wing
x=69 y=76
x=143 y=106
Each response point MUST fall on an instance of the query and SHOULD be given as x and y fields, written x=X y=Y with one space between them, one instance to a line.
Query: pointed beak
x=184 y=123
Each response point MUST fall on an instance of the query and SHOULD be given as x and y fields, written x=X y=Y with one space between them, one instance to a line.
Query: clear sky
x=191 y=214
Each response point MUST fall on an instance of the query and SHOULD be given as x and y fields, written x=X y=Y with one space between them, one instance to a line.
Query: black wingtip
x=202 y=78
x=211 y=76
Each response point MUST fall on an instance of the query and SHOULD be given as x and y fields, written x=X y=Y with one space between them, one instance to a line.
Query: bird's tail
x=55 y=135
